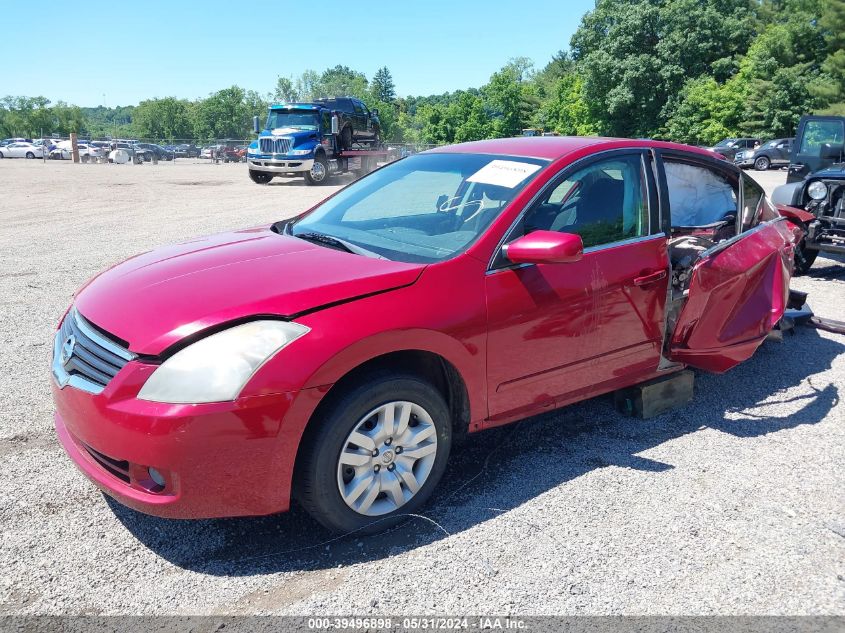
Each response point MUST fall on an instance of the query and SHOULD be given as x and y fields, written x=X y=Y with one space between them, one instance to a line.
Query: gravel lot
x=732 y=505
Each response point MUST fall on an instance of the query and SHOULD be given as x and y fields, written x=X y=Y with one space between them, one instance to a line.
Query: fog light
x=156 y=476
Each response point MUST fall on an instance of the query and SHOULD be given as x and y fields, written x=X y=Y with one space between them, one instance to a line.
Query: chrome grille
x=274 y=145
x=85 y=358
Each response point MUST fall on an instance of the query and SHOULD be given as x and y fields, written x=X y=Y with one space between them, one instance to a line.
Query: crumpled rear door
x=737 y=293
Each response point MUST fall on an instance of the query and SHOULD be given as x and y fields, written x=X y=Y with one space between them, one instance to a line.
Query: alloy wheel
x=387 y=458
x=318 y=171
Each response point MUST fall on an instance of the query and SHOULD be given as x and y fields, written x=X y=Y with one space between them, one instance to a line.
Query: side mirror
x=335 y=124
x=830 y=151
x=255 y=127
x=545 y=247
x=375 y=111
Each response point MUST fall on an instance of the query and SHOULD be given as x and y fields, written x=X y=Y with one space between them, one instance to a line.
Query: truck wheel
x=260 y=177
x=762 y=163
x=346 y=138
x=376 y=453
x=319 y=172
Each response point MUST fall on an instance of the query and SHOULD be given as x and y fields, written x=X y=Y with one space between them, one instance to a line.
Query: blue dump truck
x=304 y=139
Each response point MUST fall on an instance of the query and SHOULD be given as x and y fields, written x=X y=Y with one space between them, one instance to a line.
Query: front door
x=558 y=331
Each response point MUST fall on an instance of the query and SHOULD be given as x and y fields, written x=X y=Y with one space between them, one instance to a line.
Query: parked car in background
x=730 y=146
x=774 y=153
x=20 y=149
x=87 y=153
x=186 y=150
x=228 y=154
x=814 y=196
x=207 y=151
x=7 y=141
x=509 y=276
x=105 y=146
x=149 y=150
x=358 y=124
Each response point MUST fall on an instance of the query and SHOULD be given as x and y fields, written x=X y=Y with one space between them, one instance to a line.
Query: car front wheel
x=762 y=163
x=375 y=454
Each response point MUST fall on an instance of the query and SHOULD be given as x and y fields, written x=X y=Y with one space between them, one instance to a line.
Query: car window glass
x=358 y=108
x=699 y=196
x=604 y=202
x=817 y=133
x=424 y=208
x=752 y=203
x=393 y=199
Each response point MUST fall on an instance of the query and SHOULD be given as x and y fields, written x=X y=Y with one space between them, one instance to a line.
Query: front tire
x=260 y=177
x=762 y=163
x=375 y=454
x=319 y=172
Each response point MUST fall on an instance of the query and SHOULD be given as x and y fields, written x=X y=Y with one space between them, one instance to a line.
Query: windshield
x=728 y=142
x=425 y=208
x=301 y=119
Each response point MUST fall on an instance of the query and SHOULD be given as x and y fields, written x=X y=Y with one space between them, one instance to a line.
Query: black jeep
x=816 y=186
x=358 y=124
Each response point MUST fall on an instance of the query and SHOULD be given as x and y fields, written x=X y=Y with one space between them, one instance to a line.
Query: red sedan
x=334 y=357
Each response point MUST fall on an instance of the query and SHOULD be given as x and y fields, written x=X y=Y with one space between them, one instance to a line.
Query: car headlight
x=300 y=152
x=216 y=368
x=253 y=150
x=817 y=190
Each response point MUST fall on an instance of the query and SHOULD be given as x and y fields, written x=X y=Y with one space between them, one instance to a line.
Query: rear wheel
x=346 y=138
x=762 y=163
x=1 y=155
x=260 y=177
x=30 y=155
x=319 y=172
x=375 y=455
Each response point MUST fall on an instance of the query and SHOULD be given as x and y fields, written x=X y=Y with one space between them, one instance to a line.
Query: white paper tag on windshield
x=504 y=173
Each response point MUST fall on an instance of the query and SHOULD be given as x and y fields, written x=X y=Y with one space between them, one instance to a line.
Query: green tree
x=565 y=112
x=636 y=55
x=830 y=87
x=383 y=88
x=167 y=118
x=468 y=120
x=285 y=90
x=341 y=81
x=67 y=119
x=505 y=98
x=223 y=114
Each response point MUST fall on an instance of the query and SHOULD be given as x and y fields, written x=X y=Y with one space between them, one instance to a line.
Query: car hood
x=156 y=299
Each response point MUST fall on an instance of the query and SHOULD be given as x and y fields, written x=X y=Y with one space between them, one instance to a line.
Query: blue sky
x=80 y=51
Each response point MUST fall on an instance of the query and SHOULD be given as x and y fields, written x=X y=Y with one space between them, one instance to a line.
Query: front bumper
x=218 y=460
x=744 y=162
x=281 y=166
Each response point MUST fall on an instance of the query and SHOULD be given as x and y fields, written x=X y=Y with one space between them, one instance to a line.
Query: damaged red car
x=335 y=357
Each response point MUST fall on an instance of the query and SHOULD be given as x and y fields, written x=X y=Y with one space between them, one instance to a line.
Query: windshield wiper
x=328 y=240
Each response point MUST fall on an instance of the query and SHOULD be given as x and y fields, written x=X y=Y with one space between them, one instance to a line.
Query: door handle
x=644 y=280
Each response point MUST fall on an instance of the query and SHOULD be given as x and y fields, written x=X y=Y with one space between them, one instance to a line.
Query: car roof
x=553 y=147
